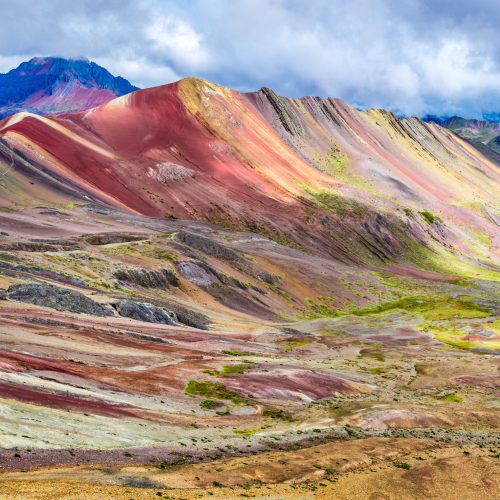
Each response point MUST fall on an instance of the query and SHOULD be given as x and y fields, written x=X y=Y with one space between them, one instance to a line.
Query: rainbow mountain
x=202 y=288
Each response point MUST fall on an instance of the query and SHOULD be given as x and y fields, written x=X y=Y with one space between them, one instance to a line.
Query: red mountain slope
x=279 y=166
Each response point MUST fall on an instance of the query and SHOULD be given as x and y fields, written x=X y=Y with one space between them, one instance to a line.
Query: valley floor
x=130 y=367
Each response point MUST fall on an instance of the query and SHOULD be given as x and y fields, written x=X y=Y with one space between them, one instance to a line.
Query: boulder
x=208 y=246
x=142 y=311
x=62 y=299
x=161 y=278
x=198 y=273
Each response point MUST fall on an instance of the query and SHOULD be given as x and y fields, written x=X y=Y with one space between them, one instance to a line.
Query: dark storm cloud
x=414 y=57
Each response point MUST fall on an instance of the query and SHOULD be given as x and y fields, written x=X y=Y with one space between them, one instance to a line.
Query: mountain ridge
x=48 y=85
x=484 y=134
x=257 y=161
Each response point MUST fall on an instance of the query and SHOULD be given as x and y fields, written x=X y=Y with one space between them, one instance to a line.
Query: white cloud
x=141 y=72
x=412 y=56
x=175 y=39
x=9 y=62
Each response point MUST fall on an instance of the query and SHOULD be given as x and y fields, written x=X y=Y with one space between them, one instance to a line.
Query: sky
x=414 y=57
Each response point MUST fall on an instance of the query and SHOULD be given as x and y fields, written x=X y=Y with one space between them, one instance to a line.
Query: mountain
x=189 y=273
x=196 y=150
x=47 y=85
x=479 y=132
x=484 y=134
x=308 y=171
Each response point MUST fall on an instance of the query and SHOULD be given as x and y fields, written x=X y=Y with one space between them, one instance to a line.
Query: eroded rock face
x=143 y=311
x=189 y=317
x=208 y=246
x=17 y=270
x=28 y=246
x=162 y=278
x=198 y=273
x=279 y=104
x=61 y=299
x=108 y=238
x=167 y=171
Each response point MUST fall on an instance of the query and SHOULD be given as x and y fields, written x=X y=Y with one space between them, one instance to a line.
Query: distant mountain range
x=483 y=134
x=47 y=85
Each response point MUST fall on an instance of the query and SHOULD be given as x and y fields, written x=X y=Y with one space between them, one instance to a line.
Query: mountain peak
x=47 y=85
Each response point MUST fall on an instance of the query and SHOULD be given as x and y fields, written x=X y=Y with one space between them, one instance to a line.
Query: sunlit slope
x=402 y=165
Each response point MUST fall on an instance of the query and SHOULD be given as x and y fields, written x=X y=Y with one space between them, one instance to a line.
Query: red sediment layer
x=61 y=401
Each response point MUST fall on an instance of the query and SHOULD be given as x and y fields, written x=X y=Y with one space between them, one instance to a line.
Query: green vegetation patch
x=433 y=308
x=277 y=414
x=377 y=371
x=322 y=307
x=334 y=332
x=371 y=353
x=235 y=369
x=402 y=465
x=213 y=390
x=246 y=432
x=336 y=203
x=429 y=217
x=453 y=334
x=237 y=353
x=451 y=398
x=230 y=369
x=288 y=345
x=208 y=404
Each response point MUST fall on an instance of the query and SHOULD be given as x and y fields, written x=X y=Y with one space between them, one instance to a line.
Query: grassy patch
x=246 y=432
x=277 y=414
x=322 y=307
x=433 y=308
x=429 y=217
x=402 y=465
x=288 y=345
x=208 y=404
x=451 y=398
x=234 y=369
x=377 y=371
x=436 y=308
x=446 y=262
x=162 y=255
x=213 y=390
x=371 y=353
x=482 y=238
x=333 y=332
x=236 y=353
x=452 y=334
x=336 y=203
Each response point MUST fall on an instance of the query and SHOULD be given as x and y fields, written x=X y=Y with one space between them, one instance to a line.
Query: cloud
x=410 y=56
x=175 y=40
